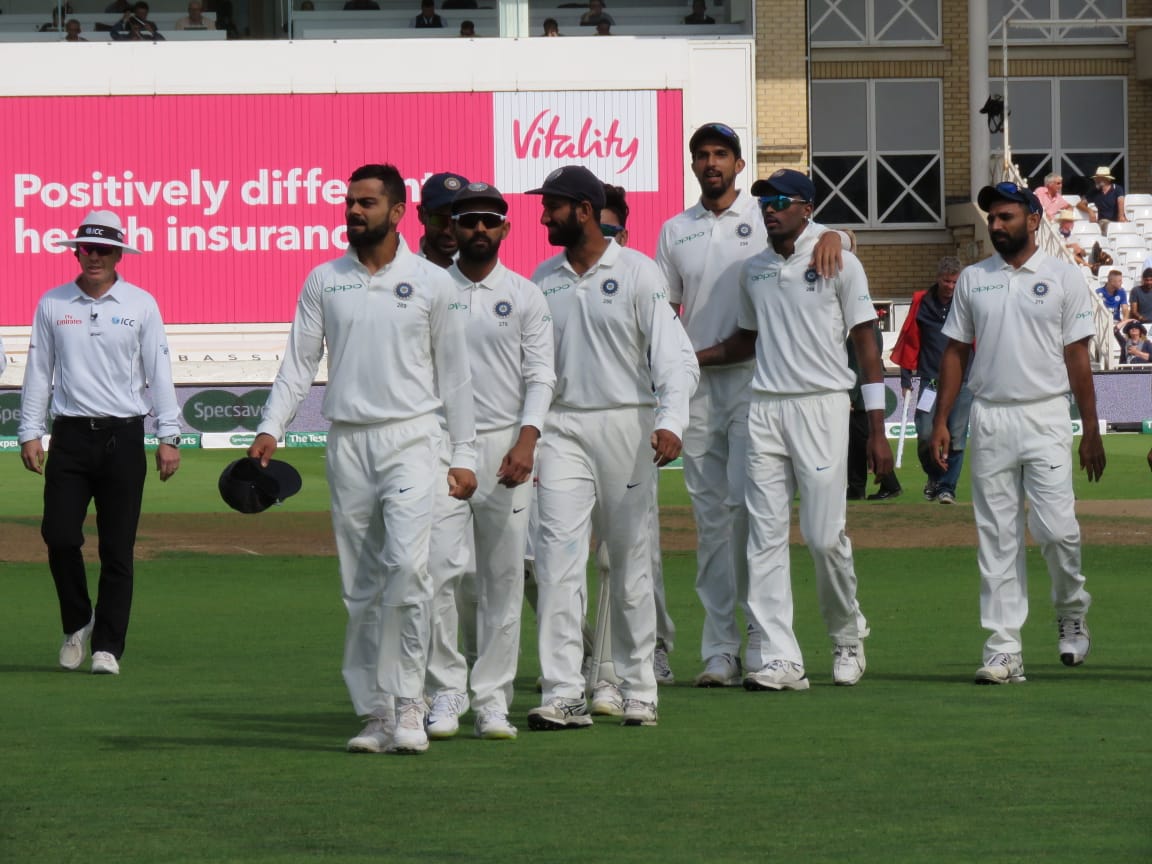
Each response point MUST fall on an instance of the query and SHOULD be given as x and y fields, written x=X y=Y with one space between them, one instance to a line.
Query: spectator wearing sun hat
x=97 y=363
x=1106 y=202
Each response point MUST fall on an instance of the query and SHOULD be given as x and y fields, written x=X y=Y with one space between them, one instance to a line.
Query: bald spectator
x=195 y=19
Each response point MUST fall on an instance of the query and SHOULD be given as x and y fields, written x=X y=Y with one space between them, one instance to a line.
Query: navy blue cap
x=575 y=182
x=715 y=132
x=439 y=190
x=785 y=182
x=473 y=192
x=1008 y=192
x=248 y=487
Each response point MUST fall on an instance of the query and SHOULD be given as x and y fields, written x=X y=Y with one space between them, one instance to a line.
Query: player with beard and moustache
x=509 y=335
x=615 y=339
x=700 y=253
x=438 y=243
x=1031 y=316
x=396 y=356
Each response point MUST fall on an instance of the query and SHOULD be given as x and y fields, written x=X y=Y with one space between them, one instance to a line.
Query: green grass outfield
x=222 y=741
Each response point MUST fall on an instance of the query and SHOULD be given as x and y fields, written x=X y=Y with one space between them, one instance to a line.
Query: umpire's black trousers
x=97 y=459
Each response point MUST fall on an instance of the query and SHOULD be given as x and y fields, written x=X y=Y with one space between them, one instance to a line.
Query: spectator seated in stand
x=135 y=26
x=699 y=14
x=1140 y=298
x=1049 y=196
x=603 y=27
x=72 y=31
x=595 y=14
x=467 y=29
x=551 y=27
x=1137 y=348
x=1065 y=219
x=427 y=17
x=195 y=19
x=1105 y=203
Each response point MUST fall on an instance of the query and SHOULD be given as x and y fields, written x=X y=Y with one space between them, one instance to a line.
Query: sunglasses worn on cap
x=93 y=249
x=610 y=230
x=471 y=220
x=779 y=202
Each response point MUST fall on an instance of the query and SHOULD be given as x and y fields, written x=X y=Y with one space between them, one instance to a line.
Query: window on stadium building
x=1047 y=130
x=877 y=153
x=874 y=22
x=1041 y=10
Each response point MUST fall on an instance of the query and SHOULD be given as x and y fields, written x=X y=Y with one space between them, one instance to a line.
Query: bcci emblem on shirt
x=404 y=291
x=503 y=309
x=609 y=287
x=743 y=230
x=1040 y=289
x=810 y=276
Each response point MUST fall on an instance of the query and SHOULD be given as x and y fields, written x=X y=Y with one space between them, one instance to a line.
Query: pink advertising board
x=235 y=198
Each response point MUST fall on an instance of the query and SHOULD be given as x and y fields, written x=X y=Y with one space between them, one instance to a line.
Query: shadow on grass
x=276 y=731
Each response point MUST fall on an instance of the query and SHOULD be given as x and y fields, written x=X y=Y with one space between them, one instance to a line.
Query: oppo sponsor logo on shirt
x=340 y=289
x=688 y=238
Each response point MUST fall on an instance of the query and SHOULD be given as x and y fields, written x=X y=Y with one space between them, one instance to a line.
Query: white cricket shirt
x=97 y=358
x=700 y=254
x=607 y=325
x=391 y=337
x=509 y=348
x=1020 y=321
x=802 y=319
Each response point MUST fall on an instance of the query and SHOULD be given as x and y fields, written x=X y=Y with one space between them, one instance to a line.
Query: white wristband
x=873 y=396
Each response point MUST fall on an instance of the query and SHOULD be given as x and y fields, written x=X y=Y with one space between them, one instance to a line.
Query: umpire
x=98 y=362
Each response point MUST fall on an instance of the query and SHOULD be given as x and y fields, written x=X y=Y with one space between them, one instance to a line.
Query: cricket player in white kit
x=1030 y=317
x=608 y=314
x=511 y=355
x=393 y=341
x=798 y=432
x=700 y=253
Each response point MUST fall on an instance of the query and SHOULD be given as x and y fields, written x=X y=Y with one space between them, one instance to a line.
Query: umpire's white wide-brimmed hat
x=100 y=228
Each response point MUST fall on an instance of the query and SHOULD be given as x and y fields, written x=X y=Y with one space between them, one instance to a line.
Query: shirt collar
x=488 y=283
x=607 y=259
x=1031 y=265
x=402 y=253
x=738 y=209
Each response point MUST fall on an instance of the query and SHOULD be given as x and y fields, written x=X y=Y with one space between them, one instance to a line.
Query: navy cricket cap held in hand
x=247 y=487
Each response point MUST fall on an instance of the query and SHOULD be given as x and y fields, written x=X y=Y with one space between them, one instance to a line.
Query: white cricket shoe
x=1001 y=669
x=493 y=725
x=104 y=663
x=777 y=675
x=849 y=665
x=1075 y=640
x=444 y=714
x=639 y=713
x=75 y=645
x=374 y=737
x=559 y=713
x=409 y=736
x=946 y=497
x=721 y=670
x=660 y=667
x=607 y=700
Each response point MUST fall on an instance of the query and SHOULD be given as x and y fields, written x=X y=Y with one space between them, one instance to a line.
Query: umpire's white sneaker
x=409 y=735
x=848 y=664
x=639 y=713
x=721 y=670
x=492 y=725
x=559 y=713
x=75 y=645
x=1075 y=640
x=777 y=675
x=104 y=663
x=607 y=700
x=1001 y=669
x=444 y=714
x=374 y=737
x=660 y=667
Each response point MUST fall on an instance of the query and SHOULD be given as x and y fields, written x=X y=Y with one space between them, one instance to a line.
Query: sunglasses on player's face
x=779 y=203
x=93 y=249
x=471 y=220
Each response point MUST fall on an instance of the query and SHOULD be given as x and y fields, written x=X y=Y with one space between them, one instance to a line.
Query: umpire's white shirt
x=802 y=319
x=392 y=337
x=509 y=348
x=700 y=254
x=97 y=358
x=605 y=322
x=1020 y=320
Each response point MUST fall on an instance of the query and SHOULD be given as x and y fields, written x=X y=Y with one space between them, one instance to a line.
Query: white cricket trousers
x=798 y=443
x=383 y=483
x=602 y=461
x=1023 y=452
x=489 y=530
x=715 y=445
